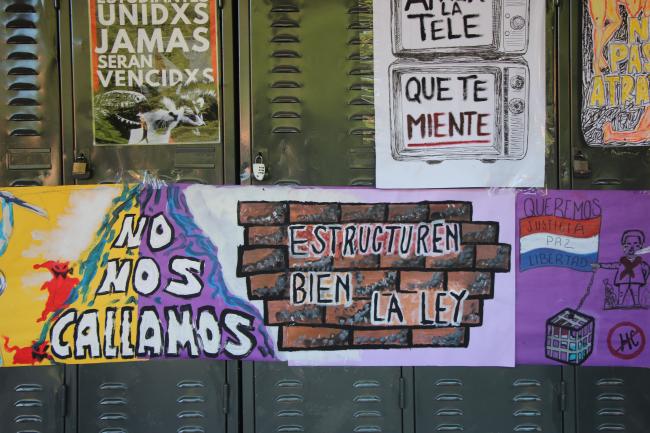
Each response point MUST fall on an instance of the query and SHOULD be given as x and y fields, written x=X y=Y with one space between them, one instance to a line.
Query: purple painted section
x=189 y=241
x=543 y=293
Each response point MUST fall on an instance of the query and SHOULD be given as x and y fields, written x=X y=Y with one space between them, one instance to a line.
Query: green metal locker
x=604 y=399
x=157 y=396
x=612 y=400
x=32 y=400
x=174 y=396
x=277 y=398
x=306 y=103
x=477 y=400
x=304 y=89
x=30 y=145
x=589 y=167
x=307 y=91
x=209 y=163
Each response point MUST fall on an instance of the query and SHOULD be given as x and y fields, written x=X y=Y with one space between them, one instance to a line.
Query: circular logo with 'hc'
x=626 y=340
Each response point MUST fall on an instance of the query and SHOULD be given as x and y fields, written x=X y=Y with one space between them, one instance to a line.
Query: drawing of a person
x=632 y=271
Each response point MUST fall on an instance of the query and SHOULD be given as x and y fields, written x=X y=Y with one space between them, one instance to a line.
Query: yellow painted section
x=36 y=240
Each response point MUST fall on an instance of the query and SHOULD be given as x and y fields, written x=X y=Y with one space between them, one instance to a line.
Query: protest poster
x=454 y=95
x=615 y=64
x=582 y=278
x=311 y=276
x=155 y=72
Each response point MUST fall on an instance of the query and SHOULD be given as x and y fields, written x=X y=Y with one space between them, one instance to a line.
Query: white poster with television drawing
x=459 y=93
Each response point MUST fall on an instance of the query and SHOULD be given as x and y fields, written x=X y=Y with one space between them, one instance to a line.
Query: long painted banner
x=310 y=276
x=317 y=276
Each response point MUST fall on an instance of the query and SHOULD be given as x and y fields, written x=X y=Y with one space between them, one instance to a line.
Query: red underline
x=447 y=143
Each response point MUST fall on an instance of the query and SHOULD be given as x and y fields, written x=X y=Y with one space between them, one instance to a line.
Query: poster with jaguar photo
x=615 y=65
x=154 y=72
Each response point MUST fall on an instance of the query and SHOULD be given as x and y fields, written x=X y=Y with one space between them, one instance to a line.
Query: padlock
x=581 y=167
x=81 y=167
x=259 y=168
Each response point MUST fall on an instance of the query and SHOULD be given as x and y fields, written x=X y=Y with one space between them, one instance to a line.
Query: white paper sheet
x=459 y=93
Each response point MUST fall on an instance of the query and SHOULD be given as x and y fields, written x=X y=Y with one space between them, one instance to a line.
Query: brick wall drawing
x=336 y=276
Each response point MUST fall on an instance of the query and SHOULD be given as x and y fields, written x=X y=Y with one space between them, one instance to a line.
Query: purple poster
x=582 y=278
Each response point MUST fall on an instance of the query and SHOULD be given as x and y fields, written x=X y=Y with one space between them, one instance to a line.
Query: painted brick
x=314 y=213
x=263 y=213
x=356 y=314
x=440 y=337
x=408 y=213
x=381 y=338
x=472 y=312
x=269 y=235
x=480 y=233
x=308 y=338
x=422 y=281
x=365 y=213
x=398 y=262
x=494 y=258
x=321 y=264
x=367 y=282
x=283 y=313
x=461 y=211
x=370 y=261
x=269 y=286
x=464 y=259
x=263 y=260
x=479 y=284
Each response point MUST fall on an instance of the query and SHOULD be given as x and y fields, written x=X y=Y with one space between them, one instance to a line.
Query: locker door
x=311 y=114
x=32 y=399
x=321 y=400
x=482 y=400
x=29 y=92
x=193 y=159
x=156 y=396
x=593 y=167
x=613 y=400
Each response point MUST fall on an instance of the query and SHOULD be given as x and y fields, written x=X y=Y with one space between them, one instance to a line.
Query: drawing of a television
x=460 y=109
x=481 y=27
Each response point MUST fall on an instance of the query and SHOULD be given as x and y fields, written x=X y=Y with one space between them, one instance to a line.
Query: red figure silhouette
x=30 y=355
x=59 y=287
